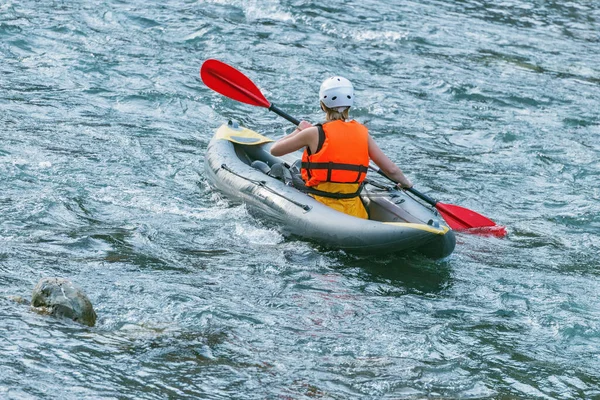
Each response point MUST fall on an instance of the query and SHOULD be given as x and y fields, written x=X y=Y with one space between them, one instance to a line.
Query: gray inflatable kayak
x=239 y=164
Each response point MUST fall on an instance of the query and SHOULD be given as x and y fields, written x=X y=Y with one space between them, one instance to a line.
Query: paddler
x=337 y=152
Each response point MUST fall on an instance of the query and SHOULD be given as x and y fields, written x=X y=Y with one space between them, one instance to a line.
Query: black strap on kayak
x=380 y=185
x=263 y=185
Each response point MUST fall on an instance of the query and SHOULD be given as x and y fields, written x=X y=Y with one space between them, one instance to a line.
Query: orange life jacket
x=342 y=155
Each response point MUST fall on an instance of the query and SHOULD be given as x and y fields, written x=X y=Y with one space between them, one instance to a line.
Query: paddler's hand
x=303 y=125
x=404 y=184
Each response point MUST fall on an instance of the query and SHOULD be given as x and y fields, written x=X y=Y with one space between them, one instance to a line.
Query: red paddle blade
x=463 y=219
x=224 y=79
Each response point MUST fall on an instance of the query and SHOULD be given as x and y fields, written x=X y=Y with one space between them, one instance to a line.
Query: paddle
x=228 y=81
x=224 y=79
x=457 y=217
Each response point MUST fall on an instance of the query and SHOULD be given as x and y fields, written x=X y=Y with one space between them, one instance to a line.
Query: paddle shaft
x=283 y=114
x=414 y=191
x=422 y=196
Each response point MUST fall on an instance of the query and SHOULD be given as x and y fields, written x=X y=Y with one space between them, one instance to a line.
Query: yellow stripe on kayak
x=241 y=135
x=427 y=228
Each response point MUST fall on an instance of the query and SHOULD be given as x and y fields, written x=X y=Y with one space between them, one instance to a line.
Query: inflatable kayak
x=239 y=164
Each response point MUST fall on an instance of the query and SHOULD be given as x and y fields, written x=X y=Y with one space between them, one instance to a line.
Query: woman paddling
x=337 y=152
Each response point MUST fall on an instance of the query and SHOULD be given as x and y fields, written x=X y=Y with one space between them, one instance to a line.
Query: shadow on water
x=410 y=273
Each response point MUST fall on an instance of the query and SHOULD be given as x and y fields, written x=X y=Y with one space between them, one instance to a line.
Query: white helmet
x=337 y=92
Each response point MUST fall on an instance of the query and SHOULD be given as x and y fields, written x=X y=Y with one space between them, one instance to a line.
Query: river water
x=490 y=105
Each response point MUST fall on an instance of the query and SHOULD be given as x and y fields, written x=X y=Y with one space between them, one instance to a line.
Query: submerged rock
x=18 y=299
x=61 y=298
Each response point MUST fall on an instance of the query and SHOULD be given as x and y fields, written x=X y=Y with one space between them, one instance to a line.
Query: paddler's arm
x=297 y=140
x=387 y=166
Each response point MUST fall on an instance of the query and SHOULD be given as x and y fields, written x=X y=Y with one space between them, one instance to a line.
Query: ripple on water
x=105 y=122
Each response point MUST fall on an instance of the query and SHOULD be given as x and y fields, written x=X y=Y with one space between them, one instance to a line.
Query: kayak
x=239 y=164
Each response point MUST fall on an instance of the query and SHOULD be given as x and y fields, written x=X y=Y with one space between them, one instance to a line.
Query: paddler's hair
x=334 y=115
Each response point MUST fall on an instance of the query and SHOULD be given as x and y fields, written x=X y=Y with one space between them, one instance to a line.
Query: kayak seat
x=260 y=153
x=297 y=180
x=261 y=166
x=295 y=168
x=279 y=171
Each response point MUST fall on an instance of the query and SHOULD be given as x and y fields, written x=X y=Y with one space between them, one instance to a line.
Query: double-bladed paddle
x=228 y=81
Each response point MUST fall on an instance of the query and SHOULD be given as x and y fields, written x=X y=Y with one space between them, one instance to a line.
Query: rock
x=61 y=298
